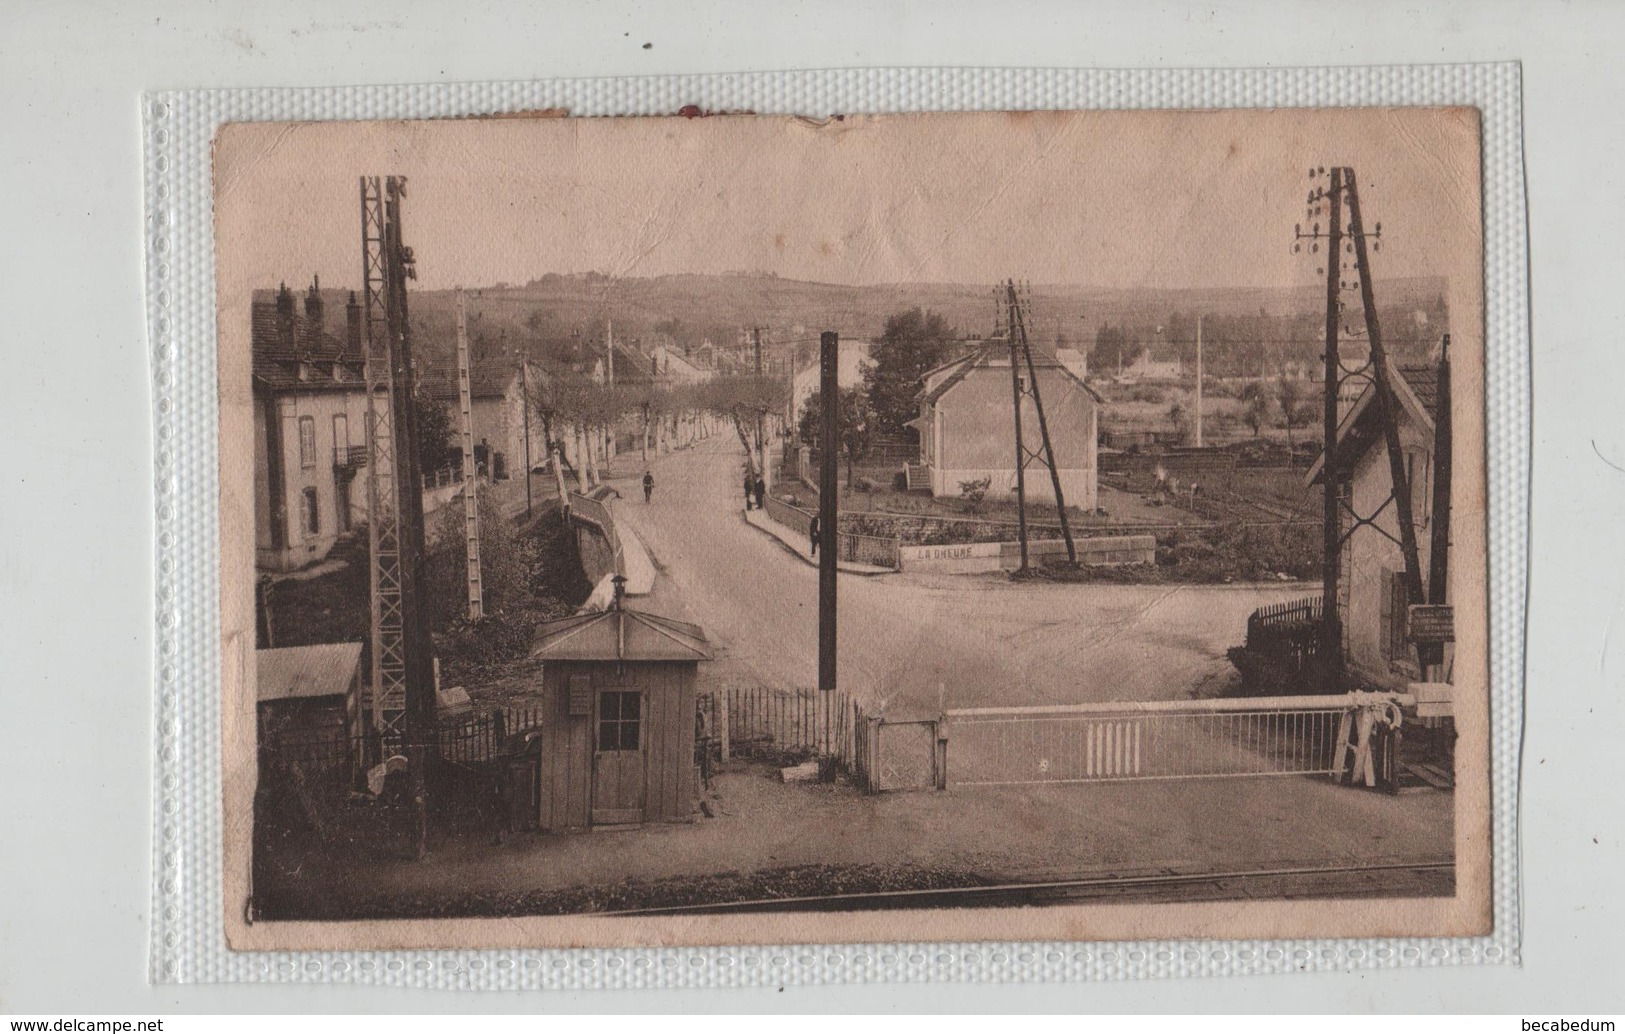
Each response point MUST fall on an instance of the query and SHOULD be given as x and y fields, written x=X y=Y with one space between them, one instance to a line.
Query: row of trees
x=580 y=418
x=1284 y=402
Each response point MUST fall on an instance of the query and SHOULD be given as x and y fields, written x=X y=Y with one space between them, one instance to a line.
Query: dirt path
x=985 y=639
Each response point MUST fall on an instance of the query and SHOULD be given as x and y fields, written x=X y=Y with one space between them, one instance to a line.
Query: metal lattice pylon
x=383 y=492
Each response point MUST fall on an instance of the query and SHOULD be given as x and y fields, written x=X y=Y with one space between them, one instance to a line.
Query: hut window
x=619 y=716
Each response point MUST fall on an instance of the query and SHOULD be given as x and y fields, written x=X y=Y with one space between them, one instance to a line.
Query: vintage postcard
x=736 y=529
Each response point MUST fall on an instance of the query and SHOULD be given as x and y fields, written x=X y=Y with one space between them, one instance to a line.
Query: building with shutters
x=310 y=419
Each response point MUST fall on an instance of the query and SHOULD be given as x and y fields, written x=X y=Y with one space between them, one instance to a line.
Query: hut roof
x=297 y=672
x=619 y=634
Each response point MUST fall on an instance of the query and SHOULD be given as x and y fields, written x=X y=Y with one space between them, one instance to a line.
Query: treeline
x=1261 y=344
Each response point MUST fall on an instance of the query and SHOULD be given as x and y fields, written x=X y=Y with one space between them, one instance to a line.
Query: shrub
x=973 y=492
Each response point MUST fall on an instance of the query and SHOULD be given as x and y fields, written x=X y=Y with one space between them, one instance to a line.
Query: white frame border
x=188 y=942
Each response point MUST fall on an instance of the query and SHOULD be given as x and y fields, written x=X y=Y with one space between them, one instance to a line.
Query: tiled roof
x=1424 y=380
x=984 y=357
x=304 y=359
x=1359 y=429
x=487 y=378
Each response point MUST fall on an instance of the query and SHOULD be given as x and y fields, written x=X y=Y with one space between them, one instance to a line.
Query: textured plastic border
x=188 y=943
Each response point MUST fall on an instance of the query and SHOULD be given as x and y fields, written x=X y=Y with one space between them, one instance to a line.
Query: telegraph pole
x=1385 y=399
x=1198 y=380
x=1021 y=449
x=761 y=413
x=829 y=444
x=1331 y=642
x=524 y=389
x=1018 y=324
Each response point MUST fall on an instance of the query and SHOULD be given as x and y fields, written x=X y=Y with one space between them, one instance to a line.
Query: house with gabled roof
x=498 y=394
x=967 y=430
x=1374 y=603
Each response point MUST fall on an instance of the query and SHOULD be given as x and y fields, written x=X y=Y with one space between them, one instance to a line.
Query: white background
x=75 y=514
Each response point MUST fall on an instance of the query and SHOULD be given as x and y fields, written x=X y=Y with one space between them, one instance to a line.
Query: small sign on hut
x=618 y=719
x=1432 y=623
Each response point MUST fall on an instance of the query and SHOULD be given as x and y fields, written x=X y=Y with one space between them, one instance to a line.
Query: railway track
x=1392 y=880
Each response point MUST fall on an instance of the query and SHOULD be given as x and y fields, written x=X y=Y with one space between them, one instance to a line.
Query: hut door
x=619 y=752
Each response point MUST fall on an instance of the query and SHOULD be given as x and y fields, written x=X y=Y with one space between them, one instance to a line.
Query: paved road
x=987 y=640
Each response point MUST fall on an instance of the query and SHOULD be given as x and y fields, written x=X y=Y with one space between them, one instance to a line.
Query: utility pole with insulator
x=1330 y=200
x=1021 y=354
x=829 y=445
x=1343 y=191
x=761 y=411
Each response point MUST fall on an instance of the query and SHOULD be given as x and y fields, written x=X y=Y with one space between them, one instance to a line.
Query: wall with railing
x=853 y=547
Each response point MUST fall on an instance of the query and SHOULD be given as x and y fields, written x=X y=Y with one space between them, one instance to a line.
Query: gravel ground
x=770 y=839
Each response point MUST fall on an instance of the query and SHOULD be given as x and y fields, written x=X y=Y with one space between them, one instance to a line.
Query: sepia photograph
x=723 y=528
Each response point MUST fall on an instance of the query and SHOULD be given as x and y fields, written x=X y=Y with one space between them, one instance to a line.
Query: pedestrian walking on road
x=750 y=488
x=813 y=531
x=648 y=486
x=760 y=490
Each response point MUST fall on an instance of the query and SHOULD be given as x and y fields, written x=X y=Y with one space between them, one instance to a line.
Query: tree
x=435 y=433
x=1293 y=410
x=1179 y=416
x=856 y=422
x=912 y=343
x=1255 y=405
x=506 y=563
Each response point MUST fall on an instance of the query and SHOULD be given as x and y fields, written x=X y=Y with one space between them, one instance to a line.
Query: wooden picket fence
x=765 y=723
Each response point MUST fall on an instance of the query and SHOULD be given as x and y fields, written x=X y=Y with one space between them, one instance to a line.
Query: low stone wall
x=596 y=540
x=598 y=559
x=981 y=557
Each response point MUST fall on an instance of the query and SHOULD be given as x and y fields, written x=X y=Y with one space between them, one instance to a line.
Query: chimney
x=285 y=317
x=313 y=302
x=352 y=326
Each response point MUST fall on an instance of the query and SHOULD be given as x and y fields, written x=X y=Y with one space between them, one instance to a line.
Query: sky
x=1096 y=199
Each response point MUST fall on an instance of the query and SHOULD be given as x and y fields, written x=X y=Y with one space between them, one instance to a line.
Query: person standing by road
x=759 y=488
x=814 y=529
x=648 y=486
x=750 y=486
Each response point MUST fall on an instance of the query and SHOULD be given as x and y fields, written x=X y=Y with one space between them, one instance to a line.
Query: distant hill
x=560 y=314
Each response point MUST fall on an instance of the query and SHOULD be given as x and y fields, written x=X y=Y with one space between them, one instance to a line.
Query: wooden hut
x=617 y=733
x=309 y=706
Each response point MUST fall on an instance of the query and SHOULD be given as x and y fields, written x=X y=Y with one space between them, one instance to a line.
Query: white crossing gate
x=1168 y=739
